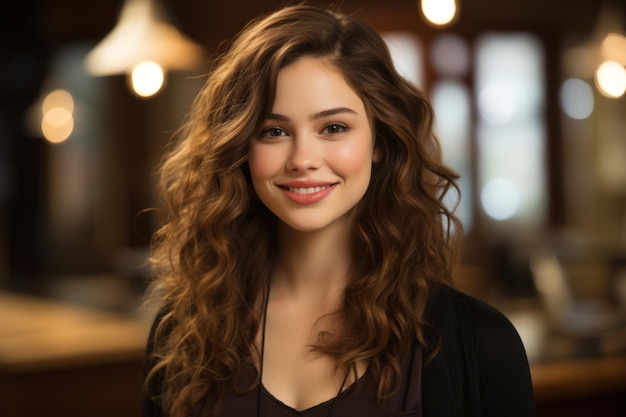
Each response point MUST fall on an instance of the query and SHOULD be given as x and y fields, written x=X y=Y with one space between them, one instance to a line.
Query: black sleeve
x=151 y=391
x=505 y=380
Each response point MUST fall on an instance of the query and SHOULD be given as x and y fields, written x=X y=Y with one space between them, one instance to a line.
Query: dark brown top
x=359 y=399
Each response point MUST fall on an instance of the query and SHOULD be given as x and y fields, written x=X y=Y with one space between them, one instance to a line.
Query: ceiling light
x=143 y=33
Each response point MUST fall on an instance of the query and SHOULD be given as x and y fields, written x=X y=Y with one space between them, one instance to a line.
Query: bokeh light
x=576 y=97
x=147 y=78
x=439 y=12
x=611 y=79
x=57 y=121
x=500 y=198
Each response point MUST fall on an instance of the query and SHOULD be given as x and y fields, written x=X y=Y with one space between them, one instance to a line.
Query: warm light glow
x=58 y=98
x=57 y=122
x=147 y=78
x=613 y=48
x=611 y=79
x=57 y=125
x=439 y=12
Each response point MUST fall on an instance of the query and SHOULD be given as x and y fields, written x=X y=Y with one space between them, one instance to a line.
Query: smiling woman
x=305 y=262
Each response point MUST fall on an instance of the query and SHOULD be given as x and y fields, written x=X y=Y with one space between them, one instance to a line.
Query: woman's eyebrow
x=332 y=112
x=278 y=117
x=319 y=115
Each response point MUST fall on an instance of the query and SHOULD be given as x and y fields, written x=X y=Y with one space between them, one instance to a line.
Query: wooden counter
x=581 y=388
x=563 y=380
x=40 y=334
x=60 y=360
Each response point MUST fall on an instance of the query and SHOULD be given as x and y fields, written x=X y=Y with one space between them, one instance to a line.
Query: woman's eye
x=335 y=128
x=273 y=132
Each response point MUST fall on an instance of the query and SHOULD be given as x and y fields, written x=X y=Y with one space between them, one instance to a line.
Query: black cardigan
x=481 y=369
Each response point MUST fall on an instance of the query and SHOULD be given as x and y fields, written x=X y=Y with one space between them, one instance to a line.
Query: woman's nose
x=305 y=154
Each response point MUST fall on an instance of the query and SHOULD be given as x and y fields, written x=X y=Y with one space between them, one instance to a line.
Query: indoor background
x=530 y=110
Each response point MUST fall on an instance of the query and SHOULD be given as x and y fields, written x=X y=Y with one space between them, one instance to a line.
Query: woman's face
x=311 y=160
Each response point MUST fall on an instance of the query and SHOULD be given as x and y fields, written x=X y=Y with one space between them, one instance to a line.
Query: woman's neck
x=312 y=264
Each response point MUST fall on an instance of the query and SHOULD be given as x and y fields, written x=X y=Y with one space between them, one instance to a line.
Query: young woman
x=305 y=263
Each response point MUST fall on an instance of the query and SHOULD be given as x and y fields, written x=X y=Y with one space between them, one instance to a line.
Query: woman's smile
x=307 y=194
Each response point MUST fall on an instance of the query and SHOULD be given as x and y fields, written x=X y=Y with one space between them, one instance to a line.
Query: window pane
x=406 y=52
x=449 y=55
x=511 y=129
x=452 y=104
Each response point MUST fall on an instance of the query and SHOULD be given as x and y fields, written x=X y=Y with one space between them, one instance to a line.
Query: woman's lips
x=307 y=193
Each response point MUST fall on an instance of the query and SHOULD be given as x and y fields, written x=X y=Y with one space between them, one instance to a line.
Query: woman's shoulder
x=481 y=361
x=448 y=305
x=465 y=322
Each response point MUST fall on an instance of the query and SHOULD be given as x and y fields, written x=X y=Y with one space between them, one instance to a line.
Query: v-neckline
x=324 y=404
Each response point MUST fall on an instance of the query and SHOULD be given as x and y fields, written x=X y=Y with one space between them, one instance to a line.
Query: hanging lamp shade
x=141 y=34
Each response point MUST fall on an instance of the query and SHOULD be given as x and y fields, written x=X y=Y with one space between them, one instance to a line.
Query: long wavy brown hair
x=213 y=257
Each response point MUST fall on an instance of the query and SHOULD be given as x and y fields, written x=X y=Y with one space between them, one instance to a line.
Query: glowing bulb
x=57 y=124
x=439 y=12
x=57 y=121
x=611 y=79
x=147 y=78
x=58 y=98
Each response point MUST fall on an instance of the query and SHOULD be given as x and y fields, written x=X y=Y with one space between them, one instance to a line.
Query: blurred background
x=529 y=98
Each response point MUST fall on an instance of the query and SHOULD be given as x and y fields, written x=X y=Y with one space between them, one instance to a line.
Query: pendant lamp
x=143 y=34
